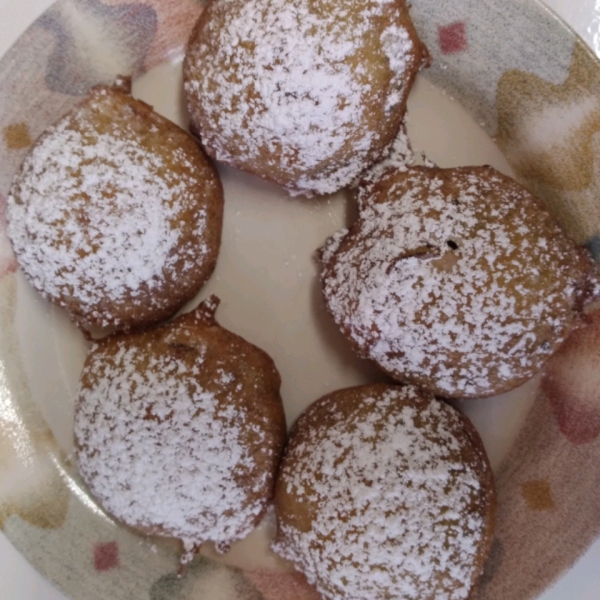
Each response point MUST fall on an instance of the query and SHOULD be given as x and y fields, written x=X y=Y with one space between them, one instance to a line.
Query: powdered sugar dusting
x=393 y=502
x=299 y=92
x=95 y=215
x=396 y=43
x=161 y=452
x=398 y=157
x=454 y=291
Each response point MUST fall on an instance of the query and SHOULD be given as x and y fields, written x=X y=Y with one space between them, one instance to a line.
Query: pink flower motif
x=572 y=384
x=453 y=38
x=106 y=556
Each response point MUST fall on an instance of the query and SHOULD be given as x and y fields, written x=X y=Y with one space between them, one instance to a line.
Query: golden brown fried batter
x=305 y=93
x=385 y=493
x=179 y=430
x=455 y=280
x=116 y=213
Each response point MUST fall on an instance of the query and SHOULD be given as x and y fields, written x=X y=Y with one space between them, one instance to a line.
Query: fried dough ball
x=179 y=430
x=384 y=492
x=456 y=280
x=305 y=93
x=116 y=213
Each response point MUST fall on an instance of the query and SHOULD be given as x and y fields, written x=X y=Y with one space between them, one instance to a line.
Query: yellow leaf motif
x=538 y=495
x=16 y=137
x=548 y=131
x=30 y=485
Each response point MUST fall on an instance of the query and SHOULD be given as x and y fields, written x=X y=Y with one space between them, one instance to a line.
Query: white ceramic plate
x=265 y=276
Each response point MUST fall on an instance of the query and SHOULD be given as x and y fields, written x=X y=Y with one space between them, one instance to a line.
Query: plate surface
x=478 y=86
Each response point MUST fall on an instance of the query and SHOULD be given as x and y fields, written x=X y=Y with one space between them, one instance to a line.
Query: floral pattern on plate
x=517 y=92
